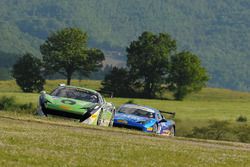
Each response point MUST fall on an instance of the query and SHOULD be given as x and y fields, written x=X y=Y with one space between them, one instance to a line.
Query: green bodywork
x=80 y=107
x=55 y=103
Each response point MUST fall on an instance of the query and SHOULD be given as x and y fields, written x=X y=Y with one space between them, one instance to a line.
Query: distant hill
x=217 y=30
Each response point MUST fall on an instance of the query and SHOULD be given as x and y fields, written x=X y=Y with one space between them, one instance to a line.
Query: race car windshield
x=137 y=112
x=74 y=93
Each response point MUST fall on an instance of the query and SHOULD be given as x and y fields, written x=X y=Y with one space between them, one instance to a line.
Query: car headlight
x=96 y=107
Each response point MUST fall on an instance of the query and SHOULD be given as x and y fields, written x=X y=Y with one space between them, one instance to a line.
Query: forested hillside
x=216 y=30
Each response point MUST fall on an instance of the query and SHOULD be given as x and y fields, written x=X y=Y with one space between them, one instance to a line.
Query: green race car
x=79 y=103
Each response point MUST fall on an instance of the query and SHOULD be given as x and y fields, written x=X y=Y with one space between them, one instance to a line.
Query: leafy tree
x=28 y=72
x=66 y=52
x=227 y=62
x=93 y=62
x=186 y=74
x=119 y=82
x=148 y=60
x=154 y=65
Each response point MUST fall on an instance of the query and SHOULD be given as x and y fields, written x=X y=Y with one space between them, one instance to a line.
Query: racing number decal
x=70 y=102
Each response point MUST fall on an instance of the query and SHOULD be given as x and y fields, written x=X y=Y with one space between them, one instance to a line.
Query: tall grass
x=10 y=104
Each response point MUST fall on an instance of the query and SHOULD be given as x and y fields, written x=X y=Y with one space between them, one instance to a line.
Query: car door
x=107 y=112
x=159 y=119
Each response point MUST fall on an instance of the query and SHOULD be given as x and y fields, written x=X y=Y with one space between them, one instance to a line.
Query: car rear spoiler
x=167 y=112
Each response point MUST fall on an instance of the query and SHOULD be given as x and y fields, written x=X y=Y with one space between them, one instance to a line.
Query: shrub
x=131 y=101
x=10 y=104
x=241 y=119
x=28 y=73
x=7 y=103
x=27 y=106
x=216 y=130
x=220 y=130
x=242 y=133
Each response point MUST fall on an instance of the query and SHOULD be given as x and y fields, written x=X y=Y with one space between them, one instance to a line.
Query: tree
x=66 y=52
x=28 y=73
x=119 y=82
x=92 y=63
x=148 y=59
x=186 y=74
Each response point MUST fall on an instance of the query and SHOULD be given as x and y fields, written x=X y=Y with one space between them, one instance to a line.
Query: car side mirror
x=43 y=92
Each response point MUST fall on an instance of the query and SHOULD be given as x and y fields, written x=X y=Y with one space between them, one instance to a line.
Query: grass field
x=27 y=140
x=196 y=110
x=10 y=85
x=31 y=141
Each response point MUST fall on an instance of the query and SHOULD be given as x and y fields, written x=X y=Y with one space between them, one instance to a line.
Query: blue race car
x=145 y=119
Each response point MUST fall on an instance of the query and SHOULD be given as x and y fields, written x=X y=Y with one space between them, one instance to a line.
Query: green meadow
x=32 y=141
x=196 y=110
x=210 y=103
x=28 y=140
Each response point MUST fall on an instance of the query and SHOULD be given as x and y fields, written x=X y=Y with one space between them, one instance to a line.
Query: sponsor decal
x=94 y=116
x=122 y=121
x=132 y=117
x=140 y=107
x=167 y=132
x=150 y=129
x=65 y=107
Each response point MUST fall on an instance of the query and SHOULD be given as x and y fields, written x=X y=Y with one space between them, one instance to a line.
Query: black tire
x=81 y=120
x=111 y=122
x=172 y=130
x=99 y=119
x=155 y=128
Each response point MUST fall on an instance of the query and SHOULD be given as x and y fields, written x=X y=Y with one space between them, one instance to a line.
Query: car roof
x=77 y=87
x=146 y=108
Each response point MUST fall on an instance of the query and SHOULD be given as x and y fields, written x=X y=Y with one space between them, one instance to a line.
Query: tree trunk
x=69 y=73
x=68 y=79
x=148 y=89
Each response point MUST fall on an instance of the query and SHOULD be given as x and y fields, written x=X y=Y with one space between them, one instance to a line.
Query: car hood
x=130 y=117
x=68 y=102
